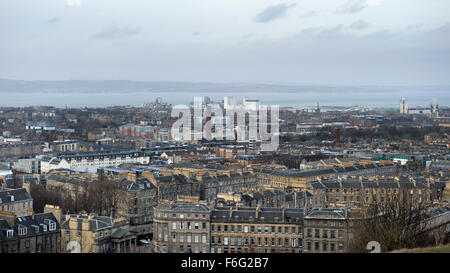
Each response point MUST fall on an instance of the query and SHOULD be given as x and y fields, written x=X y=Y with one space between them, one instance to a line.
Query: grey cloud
x=352 y=6
x=359 y=25
x=273 y=12
x=114 y=32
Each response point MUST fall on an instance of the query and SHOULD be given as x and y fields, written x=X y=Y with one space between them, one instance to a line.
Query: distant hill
x=166 y=86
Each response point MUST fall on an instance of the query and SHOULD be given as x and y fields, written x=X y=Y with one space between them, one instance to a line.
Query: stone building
x=256 y=230
x=325 y=231
x=181 y=228
x=359 y=192
x=36 y=233
x=18 y=201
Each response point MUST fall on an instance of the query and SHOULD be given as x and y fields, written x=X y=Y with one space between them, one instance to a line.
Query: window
x=174 y=237
x=316 y=246
x=10 y=233
x=259 y=229
x=308 y=245
x=245 y=229
x=181 y=238
x=196 y=238
x=316 y=233
x=196 y=225
x=174 y=225
x=225 y=240
x=212 y=227
x=189 y=238
x=22 y=230
x=203 y=225
x=204 y=238
x=273 y=229
x=252 y=228
x=324 y=246
x=266 y=229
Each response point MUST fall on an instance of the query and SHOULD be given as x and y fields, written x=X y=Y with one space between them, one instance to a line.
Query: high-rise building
x=229 y=102
x=434 y=108
x=403 y=106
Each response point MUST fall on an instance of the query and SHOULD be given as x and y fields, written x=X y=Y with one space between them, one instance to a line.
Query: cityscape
x=267 y=128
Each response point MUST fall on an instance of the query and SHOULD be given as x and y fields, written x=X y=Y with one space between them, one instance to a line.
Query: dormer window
x=10 y=233
x=22 y=230
x=52 y=226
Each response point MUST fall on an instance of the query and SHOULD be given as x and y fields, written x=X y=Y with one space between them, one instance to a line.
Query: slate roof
x=96 y=222
x=37 y=224
x=20 y=194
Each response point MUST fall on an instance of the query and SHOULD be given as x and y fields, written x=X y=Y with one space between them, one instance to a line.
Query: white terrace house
x=105 y=159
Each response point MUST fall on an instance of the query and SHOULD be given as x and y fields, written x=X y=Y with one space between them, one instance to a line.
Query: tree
x=397 y=221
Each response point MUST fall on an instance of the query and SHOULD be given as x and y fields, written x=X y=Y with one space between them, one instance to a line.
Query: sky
x=350 y=42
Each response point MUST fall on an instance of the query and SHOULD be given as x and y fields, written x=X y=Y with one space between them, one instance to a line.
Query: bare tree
x=395 y=221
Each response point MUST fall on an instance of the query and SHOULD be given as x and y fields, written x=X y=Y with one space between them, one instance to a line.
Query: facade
x=256 y=230
x=36 y=233
x=91 y=232
x=359 y=192
x=136 y=201
x=28 y=165
x=17 y=201
x=65 y=145
x=325 y=231
x=303 y=178
x=94 y=159
x=181 y=228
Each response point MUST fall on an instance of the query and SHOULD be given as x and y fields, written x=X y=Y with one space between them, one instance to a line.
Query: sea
x=378 y=97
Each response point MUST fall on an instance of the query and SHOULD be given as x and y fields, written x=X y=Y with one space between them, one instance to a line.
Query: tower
x=434 y=108
x=403 y=106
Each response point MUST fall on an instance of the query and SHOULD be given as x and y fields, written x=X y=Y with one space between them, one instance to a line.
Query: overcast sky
x=376 y=42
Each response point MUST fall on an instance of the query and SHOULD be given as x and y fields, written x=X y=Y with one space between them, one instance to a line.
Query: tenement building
x=325 y=231
x=181 y=228
x=359 y=192
x=256 y=230
x=36 y=233
x=17 y=201
x=81 y=160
